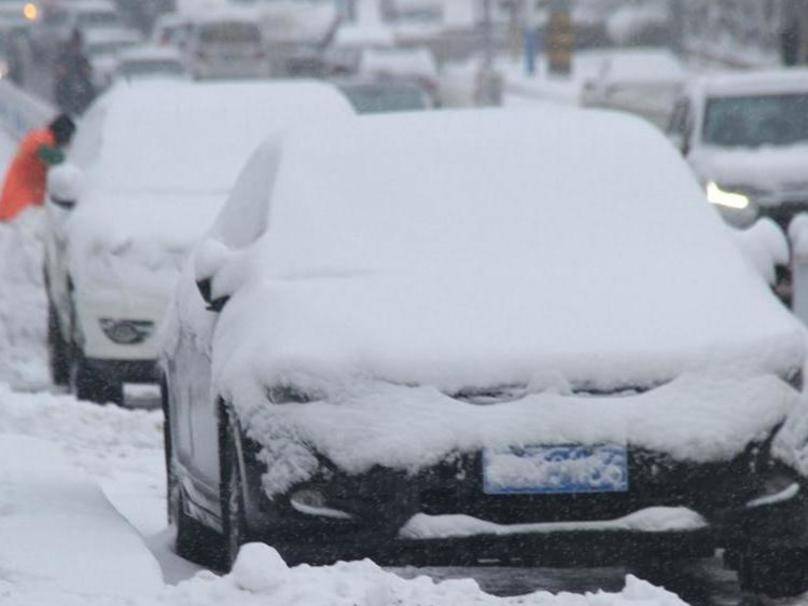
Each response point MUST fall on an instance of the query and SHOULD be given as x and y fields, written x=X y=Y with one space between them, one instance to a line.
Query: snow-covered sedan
x=150 y=166
x=477 y=336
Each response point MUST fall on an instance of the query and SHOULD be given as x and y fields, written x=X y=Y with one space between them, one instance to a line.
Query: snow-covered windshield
x=756 y=120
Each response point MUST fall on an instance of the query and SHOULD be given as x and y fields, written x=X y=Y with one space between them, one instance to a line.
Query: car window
x=223 y=33
x=148 y=67
x=96 y=18
x=377 y=99
x=753 y=121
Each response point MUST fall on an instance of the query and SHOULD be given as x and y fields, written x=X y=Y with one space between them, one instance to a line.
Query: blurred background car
x=172 y=29
x=227 y=44
x=155 y=160
x=146 y=62
x=103 y=47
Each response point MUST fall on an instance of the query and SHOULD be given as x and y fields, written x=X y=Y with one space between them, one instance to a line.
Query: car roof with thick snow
x=152 y=150
x=485 y=248
x=773 y=82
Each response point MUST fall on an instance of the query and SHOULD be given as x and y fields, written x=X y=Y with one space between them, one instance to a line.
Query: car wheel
x=58 y=350
x=87 y=384
x=232 y=497
x=775 y=573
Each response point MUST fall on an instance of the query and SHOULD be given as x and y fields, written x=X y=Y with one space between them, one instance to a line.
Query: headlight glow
x=728 y=199
x=30 y=11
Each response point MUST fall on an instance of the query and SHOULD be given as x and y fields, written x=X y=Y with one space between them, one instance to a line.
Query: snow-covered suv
x=156 y=160
x=475 y=336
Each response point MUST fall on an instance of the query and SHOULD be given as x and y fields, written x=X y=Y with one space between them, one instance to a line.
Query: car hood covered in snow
x=766 y=170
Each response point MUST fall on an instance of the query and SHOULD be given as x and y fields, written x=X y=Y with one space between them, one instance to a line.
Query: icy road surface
x=62 y=542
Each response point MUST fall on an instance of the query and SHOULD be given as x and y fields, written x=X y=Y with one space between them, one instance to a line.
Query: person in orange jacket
x=25 y=180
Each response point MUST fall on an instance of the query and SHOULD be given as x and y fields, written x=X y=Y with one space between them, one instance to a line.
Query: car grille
x=654 y=480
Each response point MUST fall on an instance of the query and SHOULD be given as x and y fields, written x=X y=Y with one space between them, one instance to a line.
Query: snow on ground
x=61 y=537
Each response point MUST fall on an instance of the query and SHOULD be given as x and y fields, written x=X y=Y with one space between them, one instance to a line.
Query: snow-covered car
x=102 y=47
x=227 y=44
x=172 y=29
x=645 y=81
x=147 y=62
x=150 y=166
x=470 y=357
x=746 y=137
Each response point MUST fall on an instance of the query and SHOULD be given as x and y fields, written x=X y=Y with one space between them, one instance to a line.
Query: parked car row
x=429 y=337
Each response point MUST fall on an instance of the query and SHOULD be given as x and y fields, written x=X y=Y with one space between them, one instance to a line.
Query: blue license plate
x=568 y=469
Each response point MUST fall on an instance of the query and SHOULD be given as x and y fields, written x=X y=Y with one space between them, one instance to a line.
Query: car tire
x=775 y=573
x=58 y=350
x=231 y=493
x=87 y=384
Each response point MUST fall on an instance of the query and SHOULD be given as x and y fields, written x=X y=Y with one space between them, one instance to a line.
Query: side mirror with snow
x=64 y=185
x=215 y=266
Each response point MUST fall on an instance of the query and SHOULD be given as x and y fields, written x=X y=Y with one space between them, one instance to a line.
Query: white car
x=746 y=136
x=442 y=338
x=226 y=45
x=148 y=62
x=103 y=47
x=147 y=171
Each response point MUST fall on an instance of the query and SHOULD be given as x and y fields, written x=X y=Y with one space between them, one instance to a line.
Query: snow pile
x=260 y=577
x=61 y=537
x=765 y=246
x=23 y=303
x=694 y=418
x=120 y=449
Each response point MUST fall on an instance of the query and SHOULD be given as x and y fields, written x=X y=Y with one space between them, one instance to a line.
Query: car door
x=241 y=222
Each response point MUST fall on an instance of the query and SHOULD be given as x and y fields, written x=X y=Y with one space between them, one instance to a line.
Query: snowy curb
x=61 y=535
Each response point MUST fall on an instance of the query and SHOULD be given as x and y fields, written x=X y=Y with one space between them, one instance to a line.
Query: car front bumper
x=379 y=503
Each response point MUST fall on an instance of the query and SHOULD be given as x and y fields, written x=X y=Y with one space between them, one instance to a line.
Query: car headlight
x=727 y=199
x=290 y=394
x=127 y=332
